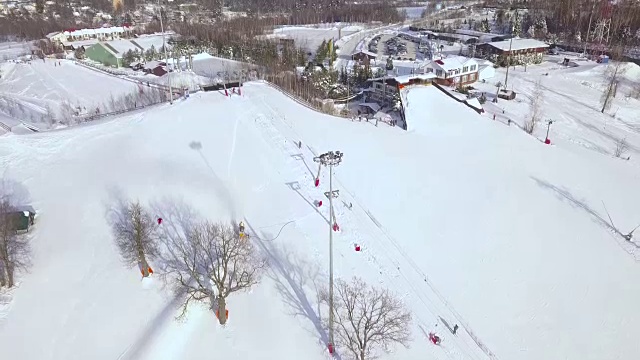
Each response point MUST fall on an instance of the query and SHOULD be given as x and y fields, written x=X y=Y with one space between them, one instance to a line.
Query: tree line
x=569 y=20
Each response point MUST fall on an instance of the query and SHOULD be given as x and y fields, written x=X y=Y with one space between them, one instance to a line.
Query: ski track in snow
x=463 y=349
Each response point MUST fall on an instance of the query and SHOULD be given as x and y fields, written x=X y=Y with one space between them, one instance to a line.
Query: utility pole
x=506 y=78
x=330 y=159
x=164 y=46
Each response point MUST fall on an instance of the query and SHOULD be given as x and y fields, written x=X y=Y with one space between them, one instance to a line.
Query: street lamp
x=330 y=159
x=546 y=138
x=164 y=46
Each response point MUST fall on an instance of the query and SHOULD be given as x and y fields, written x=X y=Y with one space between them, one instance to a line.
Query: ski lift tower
x=601 y=32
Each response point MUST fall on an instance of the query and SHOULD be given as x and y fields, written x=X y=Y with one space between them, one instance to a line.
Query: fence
x=5 y=127
x=118 y=112
x=463 y=101
x=120 y=74
x=304 y=102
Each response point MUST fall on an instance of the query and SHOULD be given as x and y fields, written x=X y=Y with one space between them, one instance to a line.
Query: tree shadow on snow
x=294 y=278
x=177 y=216
x=564 y=194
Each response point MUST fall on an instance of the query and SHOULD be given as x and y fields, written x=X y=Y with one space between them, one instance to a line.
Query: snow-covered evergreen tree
x=625 y=33
x=532 y=31
x=484 y=26
x=541 y=26
x=517 y=25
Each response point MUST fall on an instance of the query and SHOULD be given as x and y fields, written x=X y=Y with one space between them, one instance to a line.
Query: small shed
x=157 y=68
x=364 y=55
x=23 y=218
x=368 y=108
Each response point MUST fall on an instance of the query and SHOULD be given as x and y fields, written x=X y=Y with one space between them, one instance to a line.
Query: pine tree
x=321 y=52
x=517 y=25
x=389 y=63
x=484 y=26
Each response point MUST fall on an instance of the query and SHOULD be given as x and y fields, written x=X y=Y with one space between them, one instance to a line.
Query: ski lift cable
x=420 y=297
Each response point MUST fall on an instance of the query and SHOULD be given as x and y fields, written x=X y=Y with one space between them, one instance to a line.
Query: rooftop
x=518 y=44
x=451 y=62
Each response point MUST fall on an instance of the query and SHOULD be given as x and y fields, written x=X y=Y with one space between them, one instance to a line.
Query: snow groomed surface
x=466 y=219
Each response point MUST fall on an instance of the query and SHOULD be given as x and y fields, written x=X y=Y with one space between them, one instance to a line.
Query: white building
x=453 y=70
x=486 y=70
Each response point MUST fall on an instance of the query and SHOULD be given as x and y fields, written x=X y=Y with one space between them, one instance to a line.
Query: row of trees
x=569 y=19
x=32 y=28
x=312 y=12
x=132 y=56
x=208 y=261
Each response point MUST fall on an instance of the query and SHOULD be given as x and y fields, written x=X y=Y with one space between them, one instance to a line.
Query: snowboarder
x=159 y=221
x=455 y=329
x=241 y=228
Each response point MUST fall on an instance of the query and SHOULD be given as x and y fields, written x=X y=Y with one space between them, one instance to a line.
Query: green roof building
x=110 y=53
x=104 y=54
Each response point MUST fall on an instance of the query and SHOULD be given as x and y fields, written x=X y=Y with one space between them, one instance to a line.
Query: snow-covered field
x=41 y=84
x=464 y=218
x=572 y=102
x=310 y=38
x=12 y=50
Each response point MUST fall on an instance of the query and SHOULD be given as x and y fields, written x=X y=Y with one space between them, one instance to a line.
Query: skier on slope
x=435 y=339
x=241 y=228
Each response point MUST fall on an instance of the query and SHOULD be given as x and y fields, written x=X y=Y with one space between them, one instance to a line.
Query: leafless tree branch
x=368 y=319
x=212 y=262
x=536 y=108
x=15 y=252
x=135 y=234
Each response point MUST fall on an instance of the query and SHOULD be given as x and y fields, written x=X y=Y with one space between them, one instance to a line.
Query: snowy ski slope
x=467 y=219
x=41 y=84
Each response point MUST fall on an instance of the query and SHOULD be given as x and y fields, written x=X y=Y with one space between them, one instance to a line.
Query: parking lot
x=386 y=45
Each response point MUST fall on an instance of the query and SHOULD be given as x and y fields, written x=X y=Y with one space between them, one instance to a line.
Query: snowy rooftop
x=451 y=62
x=153 y=64
x=366 y=52
x=146 y=42
x=406 y=78
x=120 y=47
x=98 y=31
x=476 y=33
x=79 y=43
x=519 y=44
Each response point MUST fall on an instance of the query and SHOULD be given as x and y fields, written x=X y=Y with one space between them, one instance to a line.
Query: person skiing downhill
x=241 y=228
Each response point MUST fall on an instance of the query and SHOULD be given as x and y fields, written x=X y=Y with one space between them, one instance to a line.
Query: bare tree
x=135 y=235
x=368 y=319
x=14 y=247
x=535 y=110
x=613 y=73
x=212 y=262
x=621 y=147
